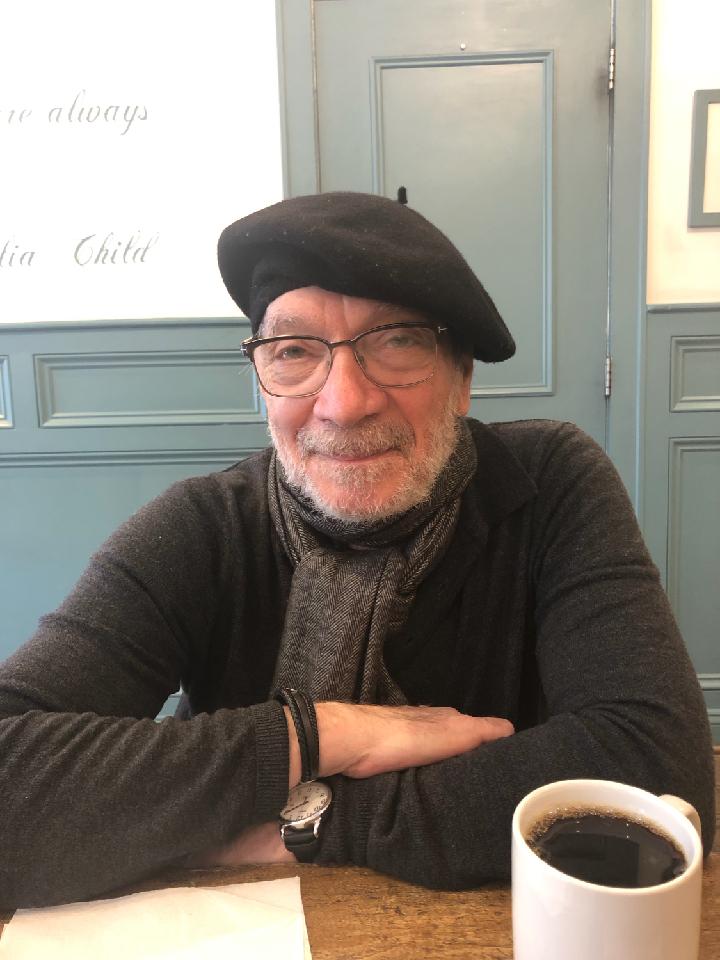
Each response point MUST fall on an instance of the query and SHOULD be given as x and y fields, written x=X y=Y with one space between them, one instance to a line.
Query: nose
x=348 y=396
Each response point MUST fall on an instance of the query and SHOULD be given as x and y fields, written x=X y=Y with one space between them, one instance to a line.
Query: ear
x=463 y=395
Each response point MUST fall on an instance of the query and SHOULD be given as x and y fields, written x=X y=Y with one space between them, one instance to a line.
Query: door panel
x=429 y=117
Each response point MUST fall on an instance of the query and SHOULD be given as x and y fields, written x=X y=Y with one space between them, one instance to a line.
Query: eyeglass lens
x=393 y=357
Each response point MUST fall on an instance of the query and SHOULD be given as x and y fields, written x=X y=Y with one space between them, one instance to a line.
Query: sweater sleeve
x=621 y=696
x=94 y=792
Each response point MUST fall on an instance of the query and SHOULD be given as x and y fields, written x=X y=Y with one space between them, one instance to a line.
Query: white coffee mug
x=558 y=917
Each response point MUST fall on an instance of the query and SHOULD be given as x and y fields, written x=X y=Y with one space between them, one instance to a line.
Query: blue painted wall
x=96 y=419
x=680 y=500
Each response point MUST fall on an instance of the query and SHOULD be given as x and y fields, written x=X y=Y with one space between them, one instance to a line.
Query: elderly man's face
x=360 y=451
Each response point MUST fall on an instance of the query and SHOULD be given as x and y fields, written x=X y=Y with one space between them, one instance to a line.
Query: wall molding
x=6 y=414
x=223 y=456
x=682 y=350
x=709 y=681
x=61 y=326
x=714 y=717
x=48 y=368
x=696 y=307
x=678 y=448
x=542 y=389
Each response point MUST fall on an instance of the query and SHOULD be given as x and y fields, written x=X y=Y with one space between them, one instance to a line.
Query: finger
x=497 y=727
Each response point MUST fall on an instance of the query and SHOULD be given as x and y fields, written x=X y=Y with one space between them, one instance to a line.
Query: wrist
x=295 y=764
x=342 y=735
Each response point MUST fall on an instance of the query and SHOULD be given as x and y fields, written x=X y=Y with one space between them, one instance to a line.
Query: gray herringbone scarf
x=353 y=585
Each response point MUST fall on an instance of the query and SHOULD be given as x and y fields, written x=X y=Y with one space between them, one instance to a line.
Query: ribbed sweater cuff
x=273 y=760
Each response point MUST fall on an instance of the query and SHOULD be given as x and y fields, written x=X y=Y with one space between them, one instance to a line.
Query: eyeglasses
x=395 y=355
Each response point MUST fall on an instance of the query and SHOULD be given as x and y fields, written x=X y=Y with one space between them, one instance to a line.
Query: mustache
x=359 y=441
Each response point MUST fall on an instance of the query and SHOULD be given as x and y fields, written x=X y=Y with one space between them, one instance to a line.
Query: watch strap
x=303 y=842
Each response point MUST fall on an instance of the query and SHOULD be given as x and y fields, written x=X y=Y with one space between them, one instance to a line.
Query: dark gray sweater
x=545 y=609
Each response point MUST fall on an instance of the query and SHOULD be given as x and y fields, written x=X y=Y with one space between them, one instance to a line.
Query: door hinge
x=611 y=69
x=608 y=376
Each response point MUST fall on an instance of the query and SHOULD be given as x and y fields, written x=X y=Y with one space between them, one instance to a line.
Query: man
x=385 y=553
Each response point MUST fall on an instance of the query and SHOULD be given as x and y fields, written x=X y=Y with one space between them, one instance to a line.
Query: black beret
x=360 y=245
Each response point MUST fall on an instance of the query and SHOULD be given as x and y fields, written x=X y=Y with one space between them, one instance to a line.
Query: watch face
x=306 y=801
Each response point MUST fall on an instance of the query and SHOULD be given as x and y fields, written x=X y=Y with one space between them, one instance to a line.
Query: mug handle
x=685 y=808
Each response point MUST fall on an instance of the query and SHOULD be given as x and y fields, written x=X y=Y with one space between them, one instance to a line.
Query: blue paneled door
x=495 y=118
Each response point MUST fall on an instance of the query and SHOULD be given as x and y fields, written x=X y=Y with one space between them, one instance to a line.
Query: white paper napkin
x=254 y=921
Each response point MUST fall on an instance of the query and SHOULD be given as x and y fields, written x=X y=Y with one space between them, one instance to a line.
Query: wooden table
x=356 y=914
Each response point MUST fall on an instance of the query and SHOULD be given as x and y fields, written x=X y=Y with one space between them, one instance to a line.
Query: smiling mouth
x=350 y=458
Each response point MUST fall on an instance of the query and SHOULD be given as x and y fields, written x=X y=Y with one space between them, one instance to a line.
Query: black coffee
x=606 y=847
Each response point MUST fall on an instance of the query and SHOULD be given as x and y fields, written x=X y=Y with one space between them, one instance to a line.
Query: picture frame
x=698 y=216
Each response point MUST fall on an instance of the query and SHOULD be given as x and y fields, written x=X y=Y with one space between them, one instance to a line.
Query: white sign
x=130 y=135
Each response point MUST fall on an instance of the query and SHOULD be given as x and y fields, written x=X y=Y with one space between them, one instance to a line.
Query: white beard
x=353 y=484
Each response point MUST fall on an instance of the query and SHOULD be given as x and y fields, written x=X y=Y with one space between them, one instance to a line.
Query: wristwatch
x=301 y=817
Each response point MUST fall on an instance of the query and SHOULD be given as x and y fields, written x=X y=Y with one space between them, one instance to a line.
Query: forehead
x=314 y=310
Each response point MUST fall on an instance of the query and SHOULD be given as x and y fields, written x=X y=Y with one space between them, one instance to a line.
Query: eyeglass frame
x=247 y=348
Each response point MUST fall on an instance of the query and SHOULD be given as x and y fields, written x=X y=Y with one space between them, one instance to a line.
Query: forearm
x=90 y=803
x=448 y=825
x=359 y=741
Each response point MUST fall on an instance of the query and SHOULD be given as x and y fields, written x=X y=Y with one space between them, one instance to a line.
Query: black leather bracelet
x=302 y=711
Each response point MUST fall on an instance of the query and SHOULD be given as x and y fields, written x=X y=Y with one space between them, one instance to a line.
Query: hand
x=361 y=740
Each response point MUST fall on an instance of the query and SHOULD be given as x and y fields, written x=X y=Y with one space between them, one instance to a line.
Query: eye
x=291 y=351
x=403 y=338
x=400 y=338
x=295 y=352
